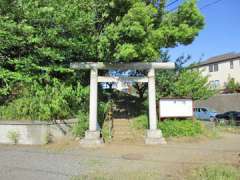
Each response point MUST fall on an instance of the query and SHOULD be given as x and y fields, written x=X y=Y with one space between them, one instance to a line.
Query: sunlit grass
x=216 y=172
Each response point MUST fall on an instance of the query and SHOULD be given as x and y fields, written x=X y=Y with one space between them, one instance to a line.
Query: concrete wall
x=221 y=103
x=34 y=132
x=224 y=72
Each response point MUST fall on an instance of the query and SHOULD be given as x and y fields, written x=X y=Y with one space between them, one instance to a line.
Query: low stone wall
x=221 y=102
x=34 y=132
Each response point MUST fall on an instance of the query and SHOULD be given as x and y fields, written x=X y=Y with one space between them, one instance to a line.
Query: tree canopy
x=39 y=38
x=183 y=82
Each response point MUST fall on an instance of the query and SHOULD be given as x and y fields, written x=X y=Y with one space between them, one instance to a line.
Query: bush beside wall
x=171 y=127
x=52 y=102
x=180 y=128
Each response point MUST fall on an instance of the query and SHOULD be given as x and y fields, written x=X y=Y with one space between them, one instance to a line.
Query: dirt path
x=119 y=161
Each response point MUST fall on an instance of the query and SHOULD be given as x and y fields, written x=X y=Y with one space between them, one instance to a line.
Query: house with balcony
x=220 y=69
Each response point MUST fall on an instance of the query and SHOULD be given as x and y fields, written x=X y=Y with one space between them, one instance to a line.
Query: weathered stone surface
x=91 y=139
x=34 y=132
x=154 y=137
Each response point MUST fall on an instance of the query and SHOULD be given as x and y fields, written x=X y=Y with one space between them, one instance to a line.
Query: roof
x=220 y=58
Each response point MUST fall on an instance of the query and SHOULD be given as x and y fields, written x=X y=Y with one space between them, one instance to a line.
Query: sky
x=220 y=35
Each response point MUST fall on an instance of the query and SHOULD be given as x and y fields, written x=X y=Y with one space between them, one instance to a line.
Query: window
x=215 y=84
x=215 y=67
x=196 y=110
x=210 y=68
x=231 y=64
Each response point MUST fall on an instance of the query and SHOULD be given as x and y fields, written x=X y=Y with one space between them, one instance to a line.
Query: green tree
x=145 y=27
x=182 y=81
x=191 y=83
x=39 y=38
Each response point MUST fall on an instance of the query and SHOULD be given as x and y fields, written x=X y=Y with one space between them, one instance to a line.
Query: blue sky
x=220 y=35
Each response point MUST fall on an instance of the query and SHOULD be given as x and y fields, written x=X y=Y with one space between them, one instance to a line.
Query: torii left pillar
x=153 y=135
x=92 y=136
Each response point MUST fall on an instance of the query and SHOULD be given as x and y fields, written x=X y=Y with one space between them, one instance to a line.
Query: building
x=220 y=69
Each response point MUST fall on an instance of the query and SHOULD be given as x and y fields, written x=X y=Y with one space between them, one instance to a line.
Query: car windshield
x=211 y=110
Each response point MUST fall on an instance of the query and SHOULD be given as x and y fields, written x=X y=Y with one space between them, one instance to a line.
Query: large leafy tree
x=144 y=27
x=183 y=82
x=39 y=38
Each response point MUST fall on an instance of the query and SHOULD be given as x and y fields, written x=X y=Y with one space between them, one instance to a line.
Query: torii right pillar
x=153 y=135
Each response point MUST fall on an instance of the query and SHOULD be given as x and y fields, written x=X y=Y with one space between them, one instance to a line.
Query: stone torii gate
x=92 y=136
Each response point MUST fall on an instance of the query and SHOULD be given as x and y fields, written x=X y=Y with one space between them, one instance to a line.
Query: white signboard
x=175 y=108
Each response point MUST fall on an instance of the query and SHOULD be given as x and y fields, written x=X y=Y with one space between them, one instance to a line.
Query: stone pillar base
x=91 y=139
x=154 y=137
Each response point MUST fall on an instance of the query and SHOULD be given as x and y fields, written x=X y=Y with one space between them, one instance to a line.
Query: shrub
x=54 y=101
x=81 y=126
x=103 y=109
x=140 y=122
x=13 y=136
x=232 y=86
x=106 y=131
x=178 y=128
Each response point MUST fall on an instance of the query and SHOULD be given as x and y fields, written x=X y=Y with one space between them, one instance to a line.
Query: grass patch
x=140 y=122
x=175 y=128
x=216 y=172
x=126 y=175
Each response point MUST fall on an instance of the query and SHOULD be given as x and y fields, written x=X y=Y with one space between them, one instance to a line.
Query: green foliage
x=232 y=86
x=164 y=83
x=216 y=172
x=106 y=131
x=13 y=136
x=185 y=83
x=39 y=39
x=81 y=126
x=143 y=28
x=191 y=83
x=180 y=128
x=103 y=109
x=171 y=128
x=54 y=101
x=140 y=122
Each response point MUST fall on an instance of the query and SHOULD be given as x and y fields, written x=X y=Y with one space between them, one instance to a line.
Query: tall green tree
x=145 y=27
x=191 y=83
x=183 y=82
x=39 y=38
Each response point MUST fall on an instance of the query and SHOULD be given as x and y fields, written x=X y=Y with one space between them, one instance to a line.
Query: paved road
x=38 y=163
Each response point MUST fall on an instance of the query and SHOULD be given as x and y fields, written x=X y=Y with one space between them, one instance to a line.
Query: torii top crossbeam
x=122 y=66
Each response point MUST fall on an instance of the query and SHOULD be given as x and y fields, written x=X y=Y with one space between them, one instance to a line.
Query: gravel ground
x=67 y=160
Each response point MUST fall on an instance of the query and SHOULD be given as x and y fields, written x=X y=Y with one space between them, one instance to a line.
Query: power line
x=210 y=4
x=171 y=3
x=201 y=8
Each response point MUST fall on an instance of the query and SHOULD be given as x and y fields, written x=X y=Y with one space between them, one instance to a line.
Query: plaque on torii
x=92 y=135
